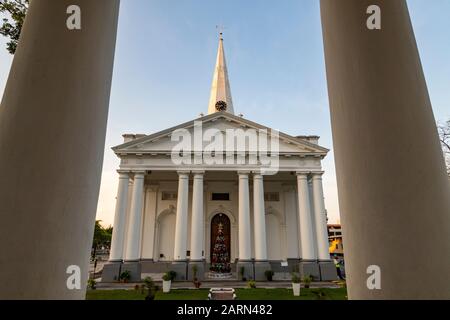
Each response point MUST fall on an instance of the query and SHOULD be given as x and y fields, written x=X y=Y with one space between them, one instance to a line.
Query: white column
x=244 y=218
x=259 y=218
x=304 y=206
x=135 y=222
x=149 y=230
x=320 y=217
x=181 y=223
x=197 y=225
x=117 y=241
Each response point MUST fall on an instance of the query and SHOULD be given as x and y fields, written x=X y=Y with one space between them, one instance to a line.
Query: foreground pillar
x=52 y=133
x=393 y=189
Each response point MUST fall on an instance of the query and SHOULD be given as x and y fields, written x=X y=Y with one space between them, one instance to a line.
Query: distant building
x=335 y=240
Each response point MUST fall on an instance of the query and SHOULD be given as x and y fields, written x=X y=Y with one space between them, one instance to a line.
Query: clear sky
x=165 y=56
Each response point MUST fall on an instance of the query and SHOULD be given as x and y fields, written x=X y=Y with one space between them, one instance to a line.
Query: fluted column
x=118 y=236
x=391 y=174
x=244 y=218
x=135 y=220
x=198 y=224
x=52 y=136
x=320 y=218
x=259 y=218
x=304 y=206
x=181 y=223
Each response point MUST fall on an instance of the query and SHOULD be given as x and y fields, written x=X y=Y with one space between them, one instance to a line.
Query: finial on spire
x=220 y=28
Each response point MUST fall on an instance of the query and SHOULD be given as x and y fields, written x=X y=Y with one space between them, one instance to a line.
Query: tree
x=11 y=26
x=220 y=257
x=102 y=236
x=444 y=137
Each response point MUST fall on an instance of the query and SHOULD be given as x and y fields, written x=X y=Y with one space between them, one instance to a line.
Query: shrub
x=269 y=275
x=295 y=278
x=307 y=280
x=151 y=288
x=125 y=276
x=167 y=277
x=251 y=284
x=92 y=284
x=172 y=275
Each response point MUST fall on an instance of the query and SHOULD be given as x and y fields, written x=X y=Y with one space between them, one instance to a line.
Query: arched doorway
x=220 y=225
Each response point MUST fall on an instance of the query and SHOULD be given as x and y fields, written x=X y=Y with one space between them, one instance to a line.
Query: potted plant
x=307 y=281
x=167 y=281
x=125 y=276
x=296 y=284
x=172 y=275
x=269 y=275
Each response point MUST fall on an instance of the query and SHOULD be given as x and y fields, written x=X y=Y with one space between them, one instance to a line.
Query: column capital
x=139 y=174
x=183 y=173
x=243 y=173
x=123 y=174
x=302 y=174
x=198 y=173
x=317 y=174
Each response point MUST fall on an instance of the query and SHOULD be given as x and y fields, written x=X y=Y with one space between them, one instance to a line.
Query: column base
x=134 y=267
x=327 y=270
x=200 y=270
x=181 y=268
x=311 y=268
x=248 y=273
x=260 y=268
x=111 y=271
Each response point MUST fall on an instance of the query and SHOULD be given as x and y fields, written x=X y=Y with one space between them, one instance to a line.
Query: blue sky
x=166 y=51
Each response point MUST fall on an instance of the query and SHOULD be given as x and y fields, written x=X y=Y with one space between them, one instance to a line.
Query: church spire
x=220 y=99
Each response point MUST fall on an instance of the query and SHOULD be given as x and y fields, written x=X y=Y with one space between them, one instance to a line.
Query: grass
x=242 y=294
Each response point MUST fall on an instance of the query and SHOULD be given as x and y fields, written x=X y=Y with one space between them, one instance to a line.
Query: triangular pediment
x=224 y=122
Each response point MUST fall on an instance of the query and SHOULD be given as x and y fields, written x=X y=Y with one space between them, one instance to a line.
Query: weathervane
x=221 y=29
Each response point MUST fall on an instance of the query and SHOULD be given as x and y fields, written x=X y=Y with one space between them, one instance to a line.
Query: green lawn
x=242 y=294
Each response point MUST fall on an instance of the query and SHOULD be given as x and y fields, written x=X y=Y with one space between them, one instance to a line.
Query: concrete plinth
x=200 y=270
x=309 y=268
x=260 y=268
x=327 y=271
x=135 y=270
x=111 y=271
x=248 y=270
x=180 y=267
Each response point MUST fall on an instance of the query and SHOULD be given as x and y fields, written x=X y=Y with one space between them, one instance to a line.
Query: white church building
x=233 y=207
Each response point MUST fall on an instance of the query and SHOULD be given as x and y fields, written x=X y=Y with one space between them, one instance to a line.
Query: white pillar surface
x=135 y=223
x=304 y=206
x=323 y=249
x=244 y=218
x=393 y=187
x=181 y=223
x=118 y=236
x=52 y=134
x=259 y=218
x=197 y=225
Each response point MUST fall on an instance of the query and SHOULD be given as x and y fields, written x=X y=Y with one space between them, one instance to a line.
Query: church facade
x=222 y=193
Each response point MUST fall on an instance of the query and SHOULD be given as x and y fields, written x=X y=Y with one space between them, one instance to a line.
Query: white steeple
x=220 y=88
